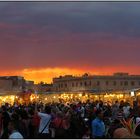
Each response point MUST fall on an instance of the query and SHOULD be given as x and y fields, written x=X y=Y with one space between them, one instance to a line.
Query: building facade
x=15 y=84
x=5 y=85
x=28 y=86
x=43 y=88
x=117 y=81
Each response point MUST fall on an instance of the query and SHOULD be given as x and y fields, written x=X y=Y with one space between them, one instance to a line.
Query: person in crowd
x=113 y=126
x=98 y=126
x=45 y=119
x=5 y=121
x=24 y=122
x=120 y=114
x=86 y=134
x=77 y=125
x=65 y=120
x=58 y=125
x=137 y=131
x=82 y=111
x=138 y=118
x=0 y=121
x=121 y=133
x=13 y=129
x=115 y=109
x=33 y=124
x=126 y=110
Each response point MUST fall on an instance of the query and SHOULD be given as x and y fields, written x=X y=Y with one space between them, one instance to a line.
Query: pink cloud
x=41 y=48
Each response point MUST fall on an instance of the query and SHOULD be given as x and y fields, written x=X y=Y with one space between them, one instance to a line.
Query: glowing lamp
x=80 y=95
x=132 y=93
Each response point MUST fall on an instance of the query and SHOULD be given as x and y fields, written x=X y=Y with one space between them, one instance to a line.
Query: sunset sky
x=42 y=40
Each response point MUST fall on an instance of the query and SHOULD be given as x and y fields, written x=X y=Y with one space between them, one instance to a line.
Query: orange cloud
x=47 y=74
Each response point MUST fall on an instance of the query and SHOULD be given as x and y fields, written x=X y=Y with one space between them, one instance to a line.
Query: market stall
x=105 y=96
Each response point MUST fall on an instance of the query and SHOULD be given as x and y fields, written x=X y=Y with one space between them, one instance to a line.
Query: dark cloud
x=117 y=17
x=67 y=34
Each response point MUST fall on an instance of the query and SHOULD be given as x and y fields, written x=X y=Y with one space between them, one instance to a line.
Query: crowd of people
x=68 y=120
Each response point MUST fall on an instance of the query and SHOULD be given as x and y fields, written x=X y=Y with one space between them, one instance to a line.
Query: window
x=121 y=83
x=76 y=84
x=139 y=82
x=85 y=83
x=132 y=83
x=98 y=83
x=126 y=83
x=61 y=85
x=89 y=83
x=114 y=83
x=65 y=85
x=81 y=84
x=107 y=83
x=72 y=84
